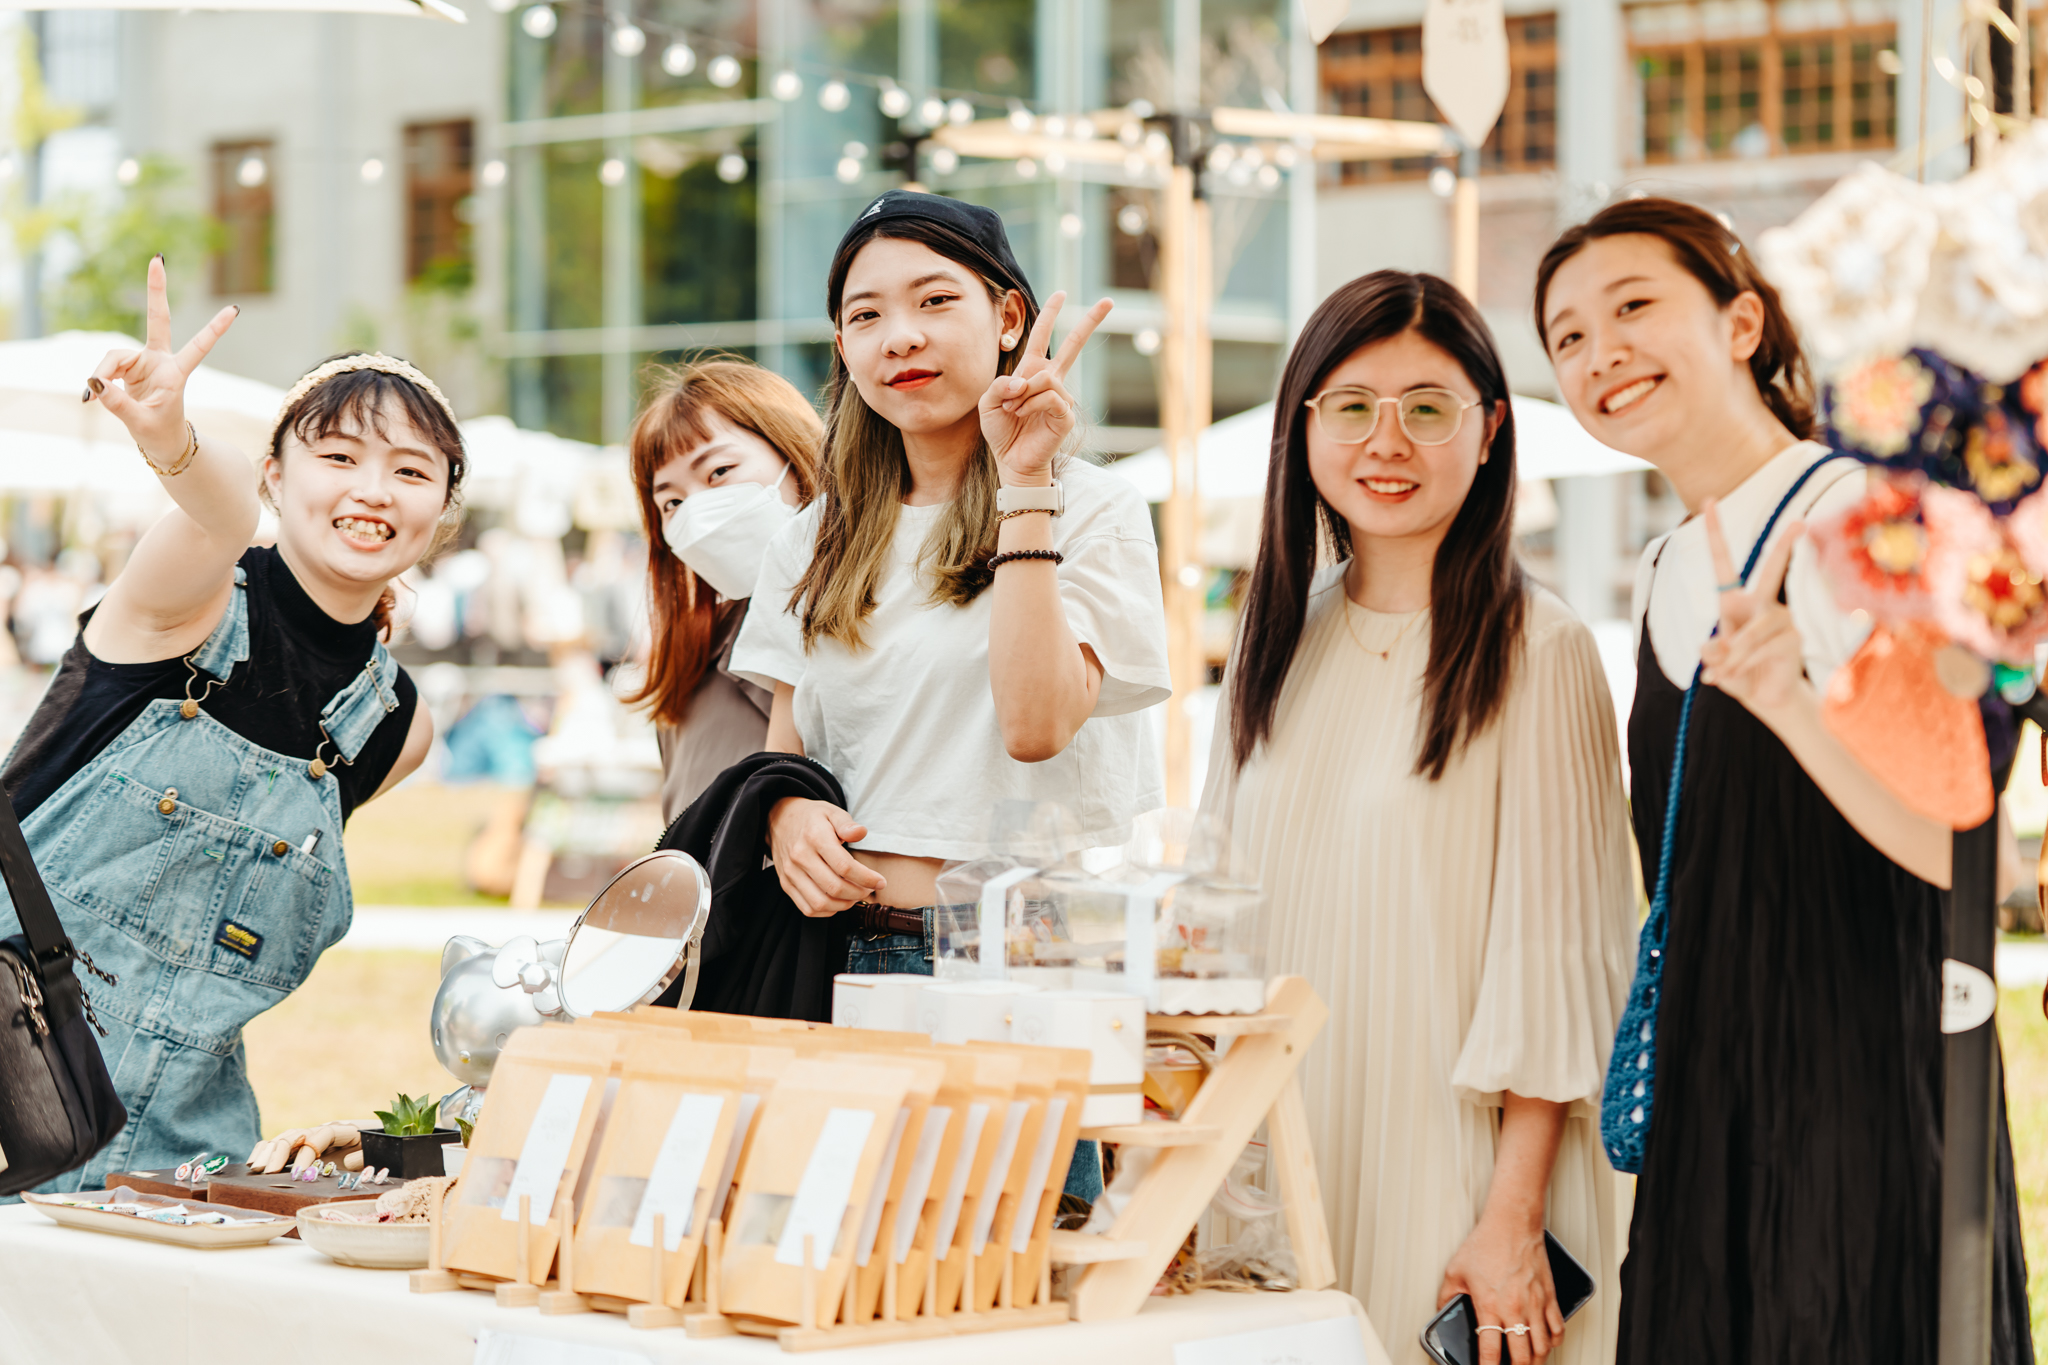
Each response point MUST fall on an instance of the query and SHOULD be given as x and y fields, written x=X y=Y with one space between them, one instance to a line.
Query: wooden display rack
x=1253 y=1082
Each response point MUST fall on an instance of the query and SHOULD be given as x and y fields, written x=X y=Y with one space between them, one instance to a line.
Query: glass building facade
x=679 y=171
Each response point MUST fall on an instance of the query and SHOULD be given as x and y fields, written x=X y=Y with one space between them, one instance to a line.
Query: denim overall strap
x=358 y=709
x=229 y=643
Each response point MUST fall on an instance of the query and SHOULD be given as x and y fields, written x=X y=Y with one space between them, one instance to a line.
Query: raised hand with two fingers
x=145 y=389
x=1755 y=655
x=1028 y=415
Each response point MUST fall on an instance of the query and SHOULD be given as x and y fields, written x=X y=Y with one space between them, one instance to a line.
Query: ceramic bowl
x=351 y=1235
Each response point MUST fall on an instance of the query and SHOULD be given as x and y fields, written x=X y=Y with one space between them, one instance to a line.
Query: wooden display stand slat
x=1253 y=1082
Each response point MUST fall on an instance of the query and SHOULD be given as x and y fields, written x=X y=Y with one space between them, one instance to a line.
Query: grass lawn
x=2024 y=1034
x=345 y=1043
x=407 y=847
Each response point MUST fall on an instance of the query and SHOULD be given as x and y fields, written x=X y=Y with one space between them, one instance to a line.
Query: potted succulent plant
x=410 y=1143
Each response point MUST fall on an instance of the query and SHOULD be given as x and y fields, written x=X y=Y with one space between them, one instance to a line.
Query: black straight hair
x=1478 y=594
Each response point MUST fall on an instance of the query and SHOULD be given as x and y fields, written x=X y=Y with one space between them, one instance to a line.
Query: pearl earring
x=1008 y=341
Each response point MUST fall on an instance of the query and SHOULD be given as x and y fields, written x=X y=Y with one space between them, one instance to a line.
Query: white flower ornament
x=1851 y=268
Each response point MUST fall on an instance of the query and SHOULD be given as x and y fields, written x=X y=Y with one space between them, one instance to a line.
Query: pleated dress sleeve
x=1560 y=937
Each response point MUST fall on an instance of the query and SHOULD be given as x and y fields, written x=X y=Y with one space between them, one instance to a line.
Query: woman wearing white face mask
x=723 y=454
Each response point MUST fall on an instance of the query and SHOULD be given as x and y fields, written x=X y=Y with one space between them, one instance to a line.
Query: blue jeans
x=911 y=954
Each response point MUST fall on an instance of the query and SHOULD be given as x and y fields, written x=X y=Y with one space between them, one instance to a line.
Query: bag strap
x=39 y=922
x=1660 y=900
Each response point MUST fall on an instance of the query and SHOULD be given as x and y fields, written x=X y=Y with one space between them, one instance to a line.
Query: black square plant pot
x=408 y=1158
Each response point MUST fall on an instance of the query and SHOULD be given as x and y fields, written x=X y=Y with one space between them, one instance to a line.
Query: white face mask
x=722 y=533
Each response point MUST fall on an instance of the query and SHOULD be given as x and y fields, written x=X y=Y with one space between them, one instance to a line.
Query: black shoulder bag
x=57 y=1102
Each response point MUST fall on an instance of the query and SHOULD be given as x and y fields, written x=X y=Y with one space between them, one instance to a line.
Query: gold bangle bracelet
x=179 y=465
x=1002 y=517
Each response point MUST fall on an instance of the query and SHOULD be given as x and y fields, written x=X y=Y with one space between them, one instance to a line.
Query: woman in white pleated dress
x=1418 y=761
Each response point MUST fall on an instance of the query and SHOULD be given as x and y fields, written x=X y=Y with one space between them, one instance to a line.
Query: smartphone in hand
x=1452 y=1337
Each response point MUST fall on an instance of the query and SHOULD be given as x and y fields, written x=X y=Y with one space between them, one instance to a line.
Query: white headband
x=348 y=364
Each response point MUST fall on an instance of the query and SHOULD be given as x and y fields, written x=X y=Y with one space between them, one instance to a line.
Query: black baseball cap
x=981 y=226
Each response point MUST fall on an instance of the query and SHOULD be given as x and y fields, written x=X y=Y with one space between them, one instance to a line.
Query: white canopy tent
x=1232 y=454
x=50 y=440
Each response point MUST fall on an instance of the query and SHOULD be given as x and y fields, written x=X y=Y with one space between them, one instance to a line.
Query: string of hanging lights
x=1240 y=165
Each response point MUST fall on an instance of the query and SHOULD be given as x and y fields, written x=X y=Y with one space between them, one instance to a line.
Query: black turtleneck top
x=299 y=658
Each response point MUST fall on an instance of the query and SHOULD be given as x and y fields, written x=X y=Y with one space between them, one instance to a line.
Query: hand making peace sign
x=1756 y=658
x=150 y=400
x=1027 y=416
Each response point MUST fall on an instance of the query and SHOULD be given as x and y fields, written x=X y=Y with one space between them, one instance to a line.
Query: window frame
x=248 y=218
x=1680 y=131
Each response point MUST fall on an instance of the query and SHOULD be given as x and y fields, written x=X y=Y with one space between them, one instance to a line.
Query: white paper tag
x=826 y=1187
x=1326 y=1341
x=963 y=1168
x=1034 y=1178
x=994 y=921
x=917 y=1186
x=871 y=1221
x=1968 y=996
x=1141 y=935
x=722 y=1191
x=544 y=1157
x=678 y=1170
x=998 y=1173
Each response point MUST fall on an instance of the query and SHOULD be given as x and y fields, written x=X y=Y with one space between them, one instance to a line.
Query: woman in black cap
x=966 y=615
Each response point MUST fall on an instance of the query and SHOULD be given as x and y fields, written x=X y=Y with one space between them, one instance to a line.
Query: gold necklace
x=1381 y=654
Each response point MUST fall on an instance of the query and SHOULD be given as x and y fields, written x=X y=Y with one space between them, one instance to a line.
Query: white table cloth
x=69 y=1297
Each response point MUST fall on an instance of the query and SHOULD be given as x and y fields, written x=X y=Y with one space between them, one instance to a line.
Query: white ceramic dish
x=249 y=1229
x=351 y=1235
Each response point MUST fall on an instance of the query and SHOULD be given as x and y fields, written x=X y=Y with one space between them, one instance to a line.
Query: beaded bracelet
x=1006 y=556
x=178 y=465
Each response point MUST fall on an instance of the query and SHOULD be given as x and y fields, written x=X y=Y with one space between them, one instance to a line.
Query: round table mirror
x=638 y=935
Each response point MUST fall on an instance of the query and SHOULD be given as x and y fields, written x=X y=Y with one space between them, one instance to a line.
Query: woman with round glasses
x=1418 y=762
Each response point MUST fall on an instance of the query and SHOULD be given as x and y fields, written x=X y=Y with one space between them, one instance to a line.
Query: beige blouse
x=1471 y=935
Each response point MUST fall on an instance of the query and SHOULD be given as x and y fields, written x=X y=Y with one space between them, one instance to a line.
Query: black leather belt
x=888 y=919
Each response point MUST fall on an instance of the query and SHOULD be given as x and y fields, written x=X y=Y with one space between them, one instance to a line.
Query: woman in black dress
x=1789 y=1203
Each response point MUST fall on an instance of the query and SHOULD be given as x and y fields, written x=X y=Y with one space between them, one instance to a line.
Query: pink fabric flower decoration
x=1875 y=553
x=1986 y=595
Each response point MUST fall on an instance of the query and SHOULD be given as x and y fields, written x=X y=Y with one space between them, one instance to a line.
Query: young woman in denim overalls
x=184 y=782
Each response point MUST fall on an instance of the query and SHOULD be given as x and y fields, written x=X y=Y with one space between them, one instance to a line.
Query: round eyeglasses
x=1429 y=416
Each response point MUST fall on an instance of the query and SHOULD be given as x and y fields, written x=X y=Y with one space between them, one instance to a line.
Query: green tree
x=115 y=242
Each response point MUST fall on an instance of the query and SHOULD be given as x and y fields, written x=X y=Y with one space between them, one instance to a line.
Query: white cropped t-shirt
x=908 y=723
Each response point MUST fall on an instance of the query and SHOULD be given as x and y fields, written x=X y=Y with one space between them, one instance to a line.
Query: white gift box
x=969 y=1011
x=877 y=1000
x=1111 y=1026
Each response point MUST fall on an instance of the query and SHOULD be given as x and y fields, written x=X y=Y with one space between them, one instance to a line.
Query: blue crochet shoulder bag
x=1627 y=1101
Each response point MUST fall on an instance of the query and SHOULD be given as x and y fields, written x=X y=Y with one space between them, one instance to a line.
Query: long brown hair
x=1478 y=597
x=354 y=401
x=867 y=472
x=685 y=617
x=1714 y=256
